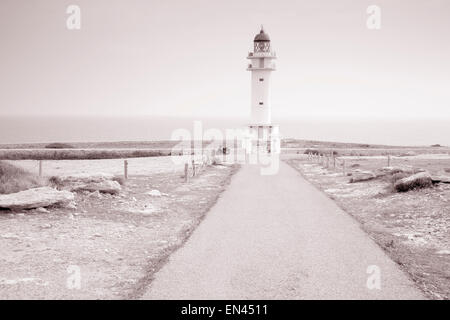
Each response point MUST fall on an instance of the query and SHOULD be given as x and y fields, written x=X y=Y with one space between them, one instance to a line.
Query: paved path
x=277 y=237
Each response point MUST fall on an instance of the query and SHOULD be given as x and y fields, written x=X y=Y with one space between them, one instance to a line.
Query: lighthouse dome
x=262 y=36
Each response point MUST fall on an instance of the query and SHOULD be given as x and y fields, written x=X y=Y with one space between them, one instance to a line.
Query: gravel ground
x=115 y=243
x=413 y=227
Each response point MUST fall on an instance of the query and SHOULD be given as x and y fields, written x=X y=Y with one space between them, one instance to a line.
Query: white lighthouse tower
x=264 y=134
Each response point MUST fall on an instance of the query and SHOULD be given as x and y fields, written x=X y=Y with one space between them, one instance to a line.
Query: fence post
x=343 y=166
x=389 y=160
x=334 y=161
x=193 y=168
x=186 y=170
x=40 y=168
x=125 y=169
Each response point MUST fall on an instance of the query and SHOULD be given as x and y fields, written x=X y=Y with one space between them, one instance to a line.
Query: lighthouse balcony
x=256 y=55
x=271 y=66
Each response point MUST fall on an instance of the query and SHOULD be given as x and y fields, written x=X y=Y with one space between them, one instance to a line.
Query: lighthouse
x=263 y=134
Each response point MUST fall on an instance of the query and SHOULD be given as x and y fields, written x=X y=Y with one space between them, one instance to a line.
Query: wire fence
x=331 y=161
x=188 y=164
x=433 y=163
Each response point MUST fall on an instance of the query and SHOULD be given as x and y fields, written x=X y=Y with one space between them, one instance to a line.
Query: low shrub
x=14 y=179
x=59 y=145
x=417 y=181
x=398 y=176
x=119 y=179
x=55 y=182
x=313 y=152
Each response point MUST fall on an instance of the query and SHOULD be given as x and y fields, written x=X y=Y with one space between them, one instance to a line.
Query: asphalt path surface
x=278 y=237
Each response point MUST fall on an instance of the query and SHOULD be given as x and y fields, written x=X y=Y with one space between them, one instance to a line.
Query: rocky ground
x=114 y=243
x=412 y=227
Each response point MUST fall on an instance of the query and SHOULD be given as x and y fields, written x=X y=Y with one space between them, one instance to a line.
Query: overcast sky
x=187 y=57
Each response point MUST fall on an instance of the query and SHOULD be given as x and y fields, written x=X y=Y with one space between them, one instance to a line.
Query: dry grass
x=78 y=154
x=14 y=179
x=58 y=145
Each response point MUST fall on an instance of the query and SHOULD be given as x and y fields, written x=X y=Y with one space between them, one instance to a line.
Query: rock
x=148 y=210
x=360 y=175
x=72 y=205
x=106 y=186
x=154 y=193
x=35 y=198
x=42 y=210
x=440 y=179
x=95 y=194
x=443 y=252
x=10 y=236
x=4 y=281
x=84 y=183
x=418 y=180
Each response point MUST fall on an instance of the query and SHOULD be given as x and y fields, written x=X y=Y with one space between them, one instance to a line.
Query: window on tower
x=261 y=103
x=261 y=79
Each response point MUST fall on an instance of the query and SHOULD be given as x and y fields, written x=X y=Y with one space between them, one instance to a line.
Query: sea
x=396 y=132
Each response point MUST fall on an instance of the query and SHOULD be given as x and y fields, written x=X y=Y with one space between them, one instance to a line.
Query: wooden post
x=186 y=170
x=224 y=156
x=343 y=166
x=40 y=168
x=125 y=169
x=328 y=161
x=334 y=161
x=193 y=168
x=389 y=160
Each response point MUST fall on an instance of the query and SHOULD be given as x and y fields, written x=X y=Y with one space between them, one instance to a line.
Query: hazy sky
x=187 y=57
